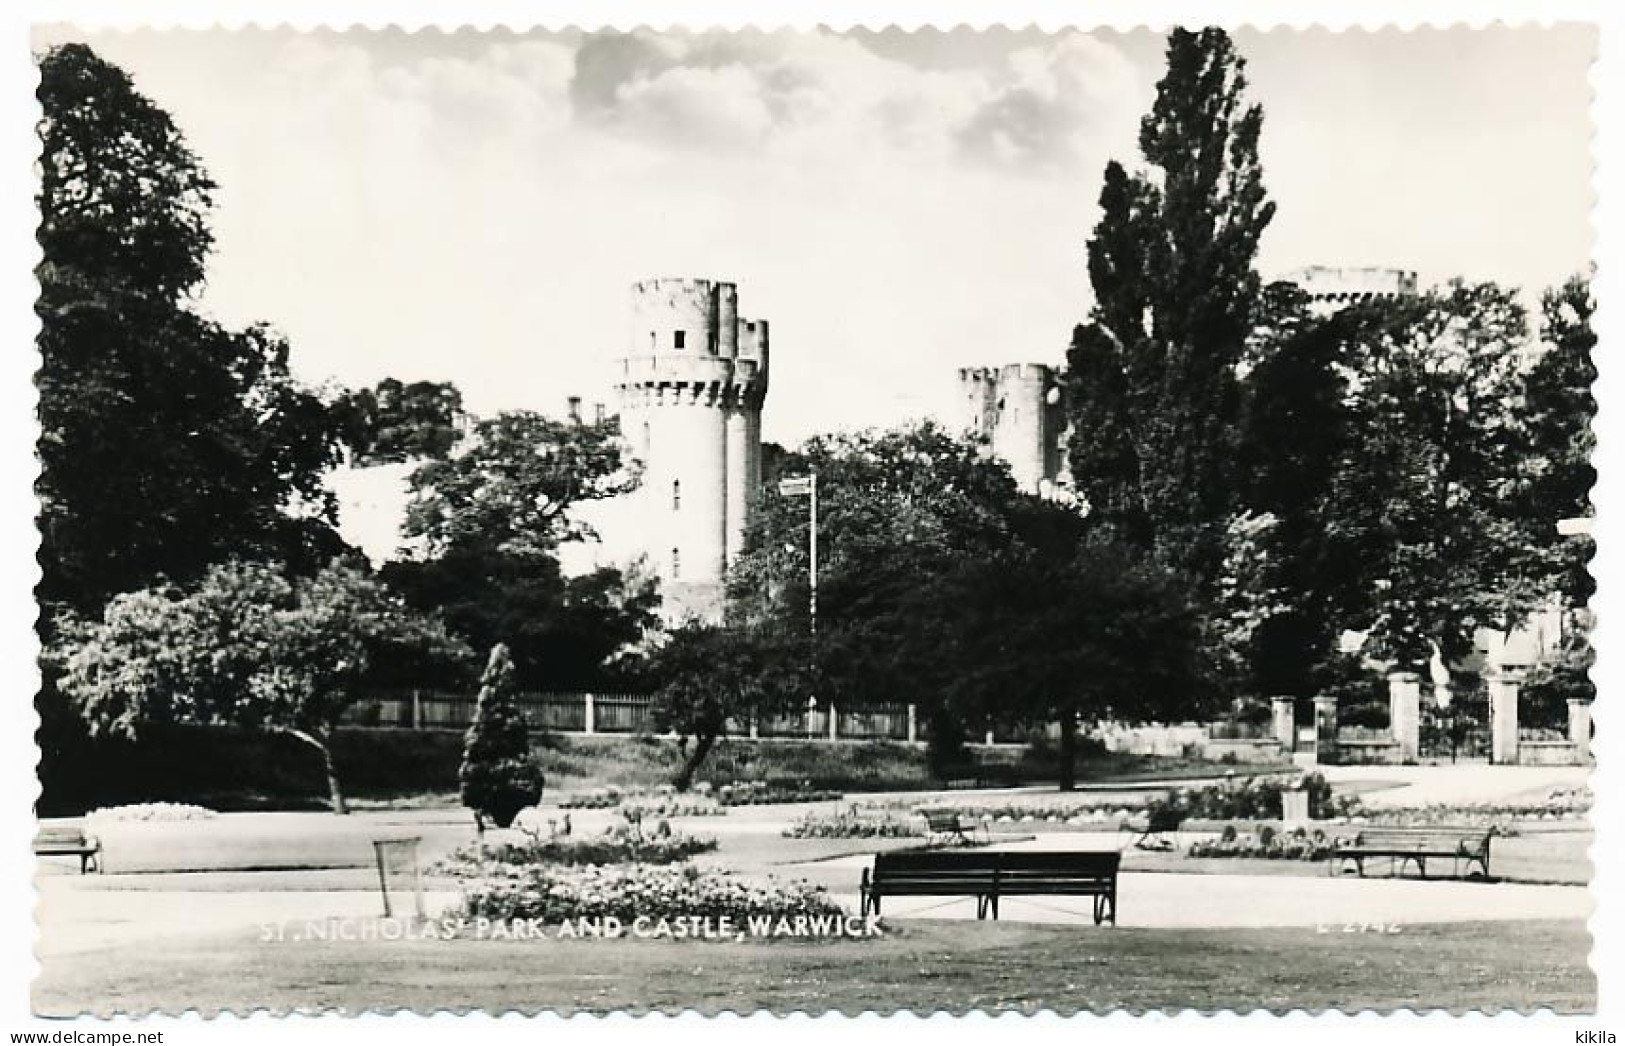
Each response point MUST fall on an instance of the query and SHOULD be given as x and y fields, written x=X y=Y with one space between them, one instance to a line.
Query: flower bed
x=151 y=812
x=1103 y=816
x=1562 y=804
x=663 y=802
x=622 y=844
x=761 y=793
x=1251 y=798
x=628 y=892
x=1268 y=844
x=853 y=824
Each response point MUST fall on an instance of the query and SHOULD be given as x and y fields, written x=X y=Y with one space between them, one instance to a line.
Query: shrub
x=853 y=824
x=629 y=891
x=500 y=776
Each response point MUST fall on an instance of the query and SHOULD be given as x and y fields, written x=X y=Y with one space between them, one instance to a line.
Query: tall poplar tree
x=1154 y=386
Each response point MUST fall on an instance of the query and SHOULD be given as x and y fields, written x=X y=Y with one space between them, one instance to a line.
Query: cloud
x=817 y=93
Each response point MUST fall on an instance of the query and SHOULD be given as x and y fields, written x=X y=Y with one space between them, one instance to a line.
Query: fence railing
x=1239 y=730
x=613 y=713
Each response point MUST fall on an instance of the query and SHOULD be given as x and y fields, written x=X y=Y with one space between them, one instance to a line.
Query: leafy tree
x=512 y=487
x=1152 y=377
x=248 y=647
x=1296 y=432
x=713 y=675
x=895 y=508
x=168 y=443
x=395 y=422
x=582 y=630
x=1423 y=500
x=499 y=775
x=1027 y=638
x=1558 y=411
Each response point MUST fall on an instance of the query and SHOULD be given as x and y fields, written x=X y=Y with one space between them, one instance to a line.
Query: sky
x=473 y=207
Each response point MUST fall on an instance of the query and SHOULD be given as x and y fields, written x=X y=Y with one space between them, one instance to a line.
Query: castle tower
x=1018 y=409
x=691 y=387
x=1330 y=288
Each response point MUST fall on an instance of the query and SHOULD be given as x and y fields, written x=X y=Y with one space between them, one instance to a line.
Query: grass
x=926 y=966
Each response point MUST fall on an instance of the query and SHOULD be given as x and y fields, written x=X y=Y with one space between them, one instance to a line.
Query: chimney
x=575 y=409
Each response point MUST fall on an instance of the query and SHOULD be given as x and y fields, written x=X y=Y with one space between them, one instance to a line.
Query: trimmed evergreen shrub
x=499 y=776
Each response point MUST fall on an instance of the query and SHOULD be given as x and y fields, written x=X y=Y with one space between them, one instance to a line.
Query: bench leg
x=995 y=901
x=981 y=906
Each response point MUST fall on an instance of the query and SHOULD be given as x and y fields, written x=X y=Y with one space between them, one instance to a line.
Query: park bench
x=1469 y=845
x=1153 y=828
x=991 y=875
x=946 y=824
x=69 y=841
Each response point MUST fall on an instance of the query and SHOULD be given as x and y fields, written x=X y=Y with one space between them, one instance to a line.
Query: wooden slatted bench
x=947 y=823
x=991 y=875
x=69 y=841
x=1399 y=845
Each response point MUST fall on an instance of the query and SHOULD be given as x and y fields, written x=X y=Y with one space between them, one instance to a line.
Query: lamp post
x=807 y=487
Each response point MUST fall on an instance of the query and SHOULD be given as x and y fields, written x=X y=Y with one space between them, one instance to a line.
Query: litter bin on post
x=398 y=872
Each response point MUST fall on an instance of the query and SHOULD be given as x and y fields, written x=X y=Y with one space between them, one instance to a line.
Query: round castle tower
x=691 y=387
x=1018 y=408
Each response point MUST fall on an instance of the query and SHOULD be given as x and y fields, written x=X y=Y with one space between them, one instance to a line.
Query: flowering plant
x=629 y=891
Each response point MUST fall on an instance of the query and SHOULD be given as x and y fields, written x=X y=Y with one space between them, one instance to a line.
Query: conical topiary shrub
x=499 y=775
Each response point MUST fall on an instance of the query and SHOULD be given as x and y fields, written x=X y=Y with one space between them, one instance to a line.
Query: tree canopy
x=168 y=442
x=1153 y=391
x=249 y=646
x=512 y=484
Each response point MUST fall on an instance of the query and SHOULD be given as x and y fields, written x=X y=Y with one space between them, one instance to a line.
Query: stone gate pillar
x=1405 y=713
x=1503 y=687
x=1284 y=722
x=1580 y=727
x=1326 y=728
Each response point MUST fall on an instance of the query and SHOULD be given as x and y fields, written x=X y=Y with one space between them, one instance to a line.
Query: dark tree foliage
x=572 y=633
x=395 y=422
x=1295 y=434
x=512 y=489
x=499 y=775
x=168 y=442
x=1423 y=504
x=1030 y=637
x=250 y=647
x=711 y=676
x=1558 y=413
x=1152 y=377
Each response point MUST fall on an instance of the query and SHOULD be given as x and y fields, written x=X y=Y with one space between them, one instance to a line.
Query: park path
x=1167 y=900
x=74 y=919
x=1462 y=783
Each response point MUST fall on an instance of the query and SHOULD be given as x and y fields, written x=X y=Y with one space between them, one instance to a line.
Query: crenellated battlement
x=687 y=333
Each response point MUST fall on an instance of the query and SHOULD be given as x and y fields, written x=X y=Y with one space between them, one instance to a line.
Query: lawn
x=924 y=966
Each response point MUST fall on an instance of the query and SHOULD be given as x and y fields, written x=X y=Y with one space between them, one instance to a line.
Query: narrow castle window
x=676 y=565
x=677 y=338
x=676 y=494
